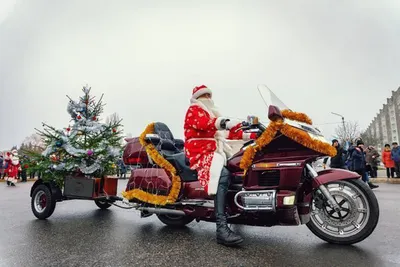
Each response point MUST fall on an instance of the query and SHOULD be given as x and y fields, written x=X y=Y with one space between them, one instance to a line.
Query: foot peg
x=144 y=214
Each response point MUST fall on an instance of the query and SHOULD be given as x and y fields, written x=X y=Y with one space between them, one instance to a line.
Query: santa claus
x=206 y=132
x=13 y=167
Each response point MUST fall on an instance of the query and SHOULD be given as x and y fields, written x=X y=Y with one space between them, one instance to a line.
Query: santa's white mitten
x=231 y=124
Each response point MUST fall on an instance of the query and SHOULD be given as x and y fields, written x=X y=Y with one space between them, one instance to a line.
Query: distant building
x=385 y=127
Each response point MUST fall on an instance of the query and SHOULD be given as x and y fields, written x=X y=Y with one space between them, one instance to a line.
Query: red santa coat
x=205 y=145
x=12 y=169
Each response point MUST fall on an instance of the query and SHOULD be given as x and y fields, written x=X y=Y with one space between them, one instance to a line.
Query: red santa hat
x=200 y=90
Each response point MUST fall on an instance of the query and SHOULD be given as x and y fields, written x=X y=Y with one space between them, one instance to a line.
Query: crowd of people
x=365 y=160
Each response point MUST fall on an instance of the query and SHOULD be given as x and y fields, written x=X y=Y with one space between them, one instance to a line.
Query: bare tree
x=369 y=140
x=32 y=143
x=113 y=119
x=347 y=132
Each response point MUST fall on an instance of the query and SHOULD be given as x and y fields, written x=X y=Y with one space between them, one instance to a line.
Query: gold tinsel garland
x=296 y=116
x=289 y=131
x=163 y=163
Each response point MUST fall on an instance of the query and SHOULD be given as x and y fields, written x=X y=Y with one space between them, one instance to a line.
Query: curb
x=385 y=180
x=19 y=181
x=33 y=180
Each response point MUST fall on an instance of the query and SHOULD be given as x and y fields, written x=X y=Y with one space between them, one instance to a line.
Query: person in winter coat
x=6 y=164
x=205 y=132
x=338 y=160
x=1 y=165
x=395 y=155
x=24 y=168
x=359 y=163
x=349 y=158
x=372 y=159
x=388 y=162
x=121 y=168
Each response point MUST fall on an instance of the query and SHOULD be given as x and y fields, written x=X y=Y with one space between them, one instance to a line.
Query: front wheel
x=42 y=202
x=357 y=219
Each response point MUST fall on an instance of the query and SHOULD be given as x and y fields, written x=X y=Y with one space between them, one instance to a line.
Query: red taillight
x=135 y=160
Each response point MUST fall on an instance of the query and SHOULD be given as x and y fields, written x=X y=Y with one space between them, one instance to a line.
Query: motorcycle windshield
x=269 y=98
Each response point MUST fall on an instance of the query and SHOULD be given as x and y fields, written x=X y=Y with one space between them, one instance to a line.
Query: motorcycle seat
x=181 y=163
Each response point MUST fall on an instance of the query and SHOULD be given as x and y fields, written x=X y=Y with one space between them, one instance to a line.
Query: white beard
x=209 y=103
x=15 y=160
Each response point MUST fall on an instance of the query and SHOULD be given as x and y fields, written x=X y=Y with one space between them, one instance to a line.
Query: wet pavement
x=79 y=234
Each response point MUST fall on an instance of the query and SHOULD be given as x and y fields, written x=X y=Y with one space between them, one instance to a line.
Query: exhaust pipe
x=162 y=211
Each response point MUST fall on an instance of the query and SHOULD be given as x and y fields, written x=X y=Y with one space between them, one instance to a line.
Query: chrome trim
x=312 y=171
x=288 y=164
x=273 y=208
x=162 y=211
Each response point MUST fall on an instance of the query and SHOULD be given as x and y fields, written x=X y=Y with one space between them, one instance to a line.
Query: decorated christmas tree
x=87 y=147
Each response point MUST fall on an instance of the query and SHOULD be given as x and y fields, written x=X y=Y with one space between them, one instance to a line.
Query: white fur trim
x=213 y=112
x=246 y=136
x=218 y=123
x=217 y=164
x=201 y=105
x=201 y=92
x=236 y=145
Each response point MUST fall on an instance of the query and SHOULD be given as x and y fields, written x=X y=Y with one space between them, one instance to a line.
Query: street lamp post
x=344 y=125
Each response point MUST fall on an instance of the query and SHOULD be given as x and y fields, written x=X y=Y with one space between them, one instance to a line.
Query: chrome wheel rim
x=40 y=201
x=353 y=217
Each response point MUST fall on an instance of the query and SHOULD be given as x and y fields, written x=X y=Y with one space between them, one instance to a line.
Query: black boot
x=225 y=236
x=372 y=186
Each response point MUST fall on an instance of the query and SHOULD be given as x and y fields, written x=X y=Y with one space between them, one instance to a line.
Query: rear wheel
x=42 y=202
x=357 y=219
x=102 y=204
x=175 y=220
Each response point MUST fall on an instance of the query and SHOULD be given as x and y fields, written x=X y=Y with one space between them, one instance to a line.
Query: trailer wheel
x=42 y=202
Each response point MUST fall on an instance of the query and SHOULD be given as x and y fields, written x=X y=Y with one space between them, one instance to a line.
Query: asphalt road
x=79 y=234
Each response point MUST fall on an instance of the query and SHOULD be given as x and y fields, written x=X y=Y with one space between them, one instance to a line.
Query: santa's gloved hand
x=221 y=122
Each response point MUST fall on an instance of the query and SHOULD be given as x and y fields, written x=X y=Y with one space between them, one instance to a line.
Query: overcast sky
x=146 y=56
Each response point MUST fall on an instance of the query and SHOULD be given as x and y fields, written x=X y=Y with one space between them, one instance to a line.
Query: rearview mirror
x=274 y=113
x=251 y=120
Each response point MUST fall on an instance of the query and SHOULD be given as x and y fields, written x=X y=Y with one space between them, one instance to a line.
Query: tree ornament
x=94 y=118
x=114 y=130
x=79 y=117
x=90 y=152
x=59 y=143
x=68 y=129
x=53 y=158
